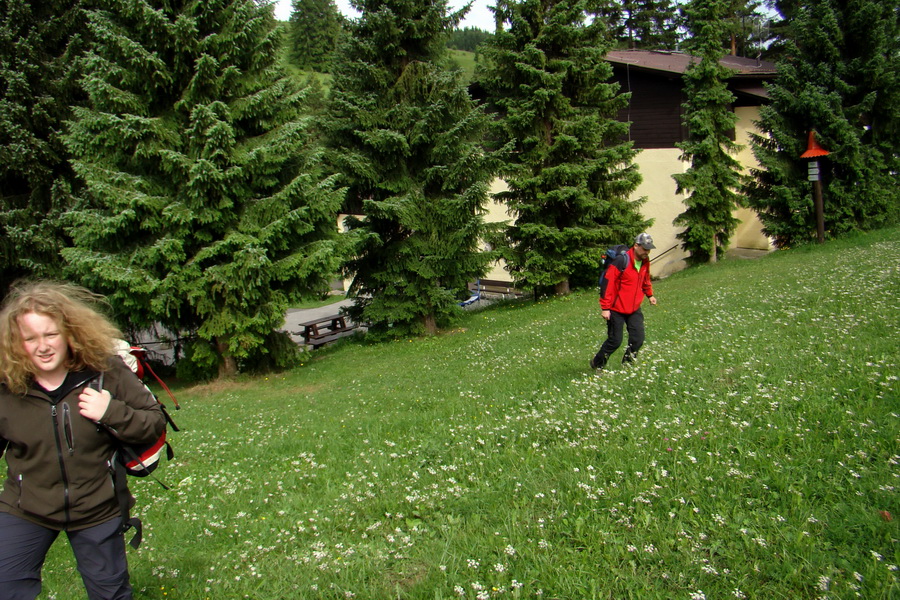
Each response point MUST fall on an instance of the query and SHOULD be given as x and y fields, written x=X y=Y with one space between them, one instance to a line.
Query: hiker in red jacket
x=621 y=304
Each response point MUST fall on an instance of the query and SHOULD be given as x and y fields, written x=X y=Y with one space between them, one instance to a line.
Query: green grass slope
x=751 y=453
x=465 y=61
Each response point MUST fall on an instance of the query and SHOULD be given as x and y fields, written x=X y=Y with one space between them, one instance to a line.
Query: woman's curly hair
x=91 y=336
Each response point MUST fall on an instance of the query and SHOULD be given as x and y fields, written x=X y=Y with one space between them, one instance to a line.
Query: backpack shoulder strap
x=120 y=485
x=97 y=383
x=622 y=261
x=124 y=499
x=146 y=367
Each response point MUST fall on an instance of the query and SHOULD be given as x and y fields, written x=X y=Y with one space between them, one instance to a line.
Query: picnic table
x=491 y=287
x=325 y=329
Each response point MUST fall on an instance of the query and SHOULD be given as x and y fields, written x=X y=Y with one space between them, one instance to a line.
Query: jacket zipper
x=67 y=428
x=638 y=289
x=62 y=464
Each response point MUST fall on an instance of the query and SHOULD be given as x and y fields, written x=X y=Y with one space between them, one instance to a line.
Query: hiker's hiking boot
x=629 y=357
x=599 y=361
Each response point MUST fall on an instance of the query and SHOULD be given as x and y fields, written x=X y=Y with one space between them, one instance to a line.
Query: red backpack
x=141 y=460
x=138 y=460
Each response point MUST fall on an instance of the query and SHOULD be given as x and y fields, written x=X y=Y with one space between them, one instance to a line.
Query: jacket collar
x=645 y=262
x=73 y=381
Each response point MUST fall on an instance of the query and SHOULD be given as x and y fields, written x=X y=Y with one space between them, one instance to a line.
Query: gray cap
x=644 y=241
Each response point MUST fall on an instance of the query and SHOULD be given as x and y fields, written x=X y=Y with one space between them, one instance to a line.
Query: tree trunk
x=430 y=324
x=228 y=366
x=562 y=288
x=715 y=248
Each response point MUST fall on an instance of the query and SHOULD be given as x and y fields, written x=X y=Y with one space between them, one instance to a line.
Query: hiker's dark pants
x=99 y=552
x=634 y=323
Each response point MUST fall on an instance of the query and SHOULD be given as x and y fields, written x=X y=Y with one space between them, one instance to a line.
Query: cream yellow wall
x=749 y=233
x=342 y=228
x=662 y=205
x=496 y=212
x=656 y=167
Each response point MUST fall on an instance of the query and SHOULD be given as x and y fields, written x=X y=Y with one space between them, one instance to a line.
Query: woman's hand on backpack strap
x=93 y=404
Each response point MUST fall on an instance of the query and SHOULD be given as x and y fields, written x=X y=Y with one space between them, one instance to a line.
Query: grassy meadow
x=752 y=452
x=465 y=61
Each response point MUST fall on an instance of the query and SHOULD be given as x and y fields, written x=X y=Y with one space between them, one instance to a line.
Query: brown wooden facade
x=655 y=81
x=655 y=108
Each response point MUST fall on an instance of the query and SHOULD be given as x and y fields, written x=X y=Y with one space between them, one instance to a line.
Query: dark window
x=655 y=107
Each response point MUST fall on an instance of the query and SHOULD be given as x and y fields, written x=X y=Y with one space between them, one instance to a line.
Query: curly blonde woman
x=59 y=436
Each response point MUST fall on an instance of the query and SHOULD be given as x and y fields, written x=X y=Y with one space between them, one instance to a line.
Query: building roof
x=678 y=62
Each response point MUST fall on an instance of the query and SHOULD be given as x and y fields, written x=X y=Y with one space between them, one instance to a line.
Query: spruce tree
x=781 y=15
x=714 y=174
x=744 y=18
x=315 y=28
x=39 y=42
x=202 y=210
x=639 y=24
x=838 y=77
x=405 y=136
x=467 y=38
x=569 y=171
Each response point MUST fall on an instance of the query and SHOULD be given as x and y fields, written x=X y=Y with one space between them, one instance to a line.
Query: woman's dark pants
x=99 y=552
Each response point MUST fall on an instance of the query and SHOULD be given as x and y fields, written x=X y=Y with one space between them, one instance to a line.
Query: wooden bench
x=490 y=287
x=327 y=329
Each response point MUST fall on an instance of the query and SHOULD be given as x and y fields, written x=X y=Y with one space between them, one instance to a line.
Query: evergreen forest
x=190 y=160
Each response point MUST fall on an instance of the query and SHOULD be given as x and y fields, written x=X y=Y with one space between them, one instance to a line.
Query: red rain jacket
x=625 y=290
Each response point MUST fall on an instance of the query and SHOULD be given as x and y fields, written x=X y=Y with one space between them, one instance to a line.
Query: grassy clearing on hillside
x=465 y=61
x=751 y=453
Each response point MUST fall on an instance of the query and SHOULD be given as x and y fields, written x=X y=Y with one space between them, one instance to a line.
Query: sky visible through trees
x=479 y=16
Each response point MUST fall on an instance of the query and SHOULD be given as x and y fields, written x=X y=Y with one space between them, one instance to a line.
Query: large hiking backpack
x=138 y=460
x=141 y=460
x=615 y=255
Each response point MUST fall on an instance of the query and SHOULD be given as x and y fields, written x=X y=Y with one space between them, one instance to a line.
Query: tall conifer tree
x=39 y=45
x=639 y=24
x=714 y=175
x=202 y=211
x=744 y=18
x=570 y=174
x=840 y=77
x=405 y=136
x=315 y=28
